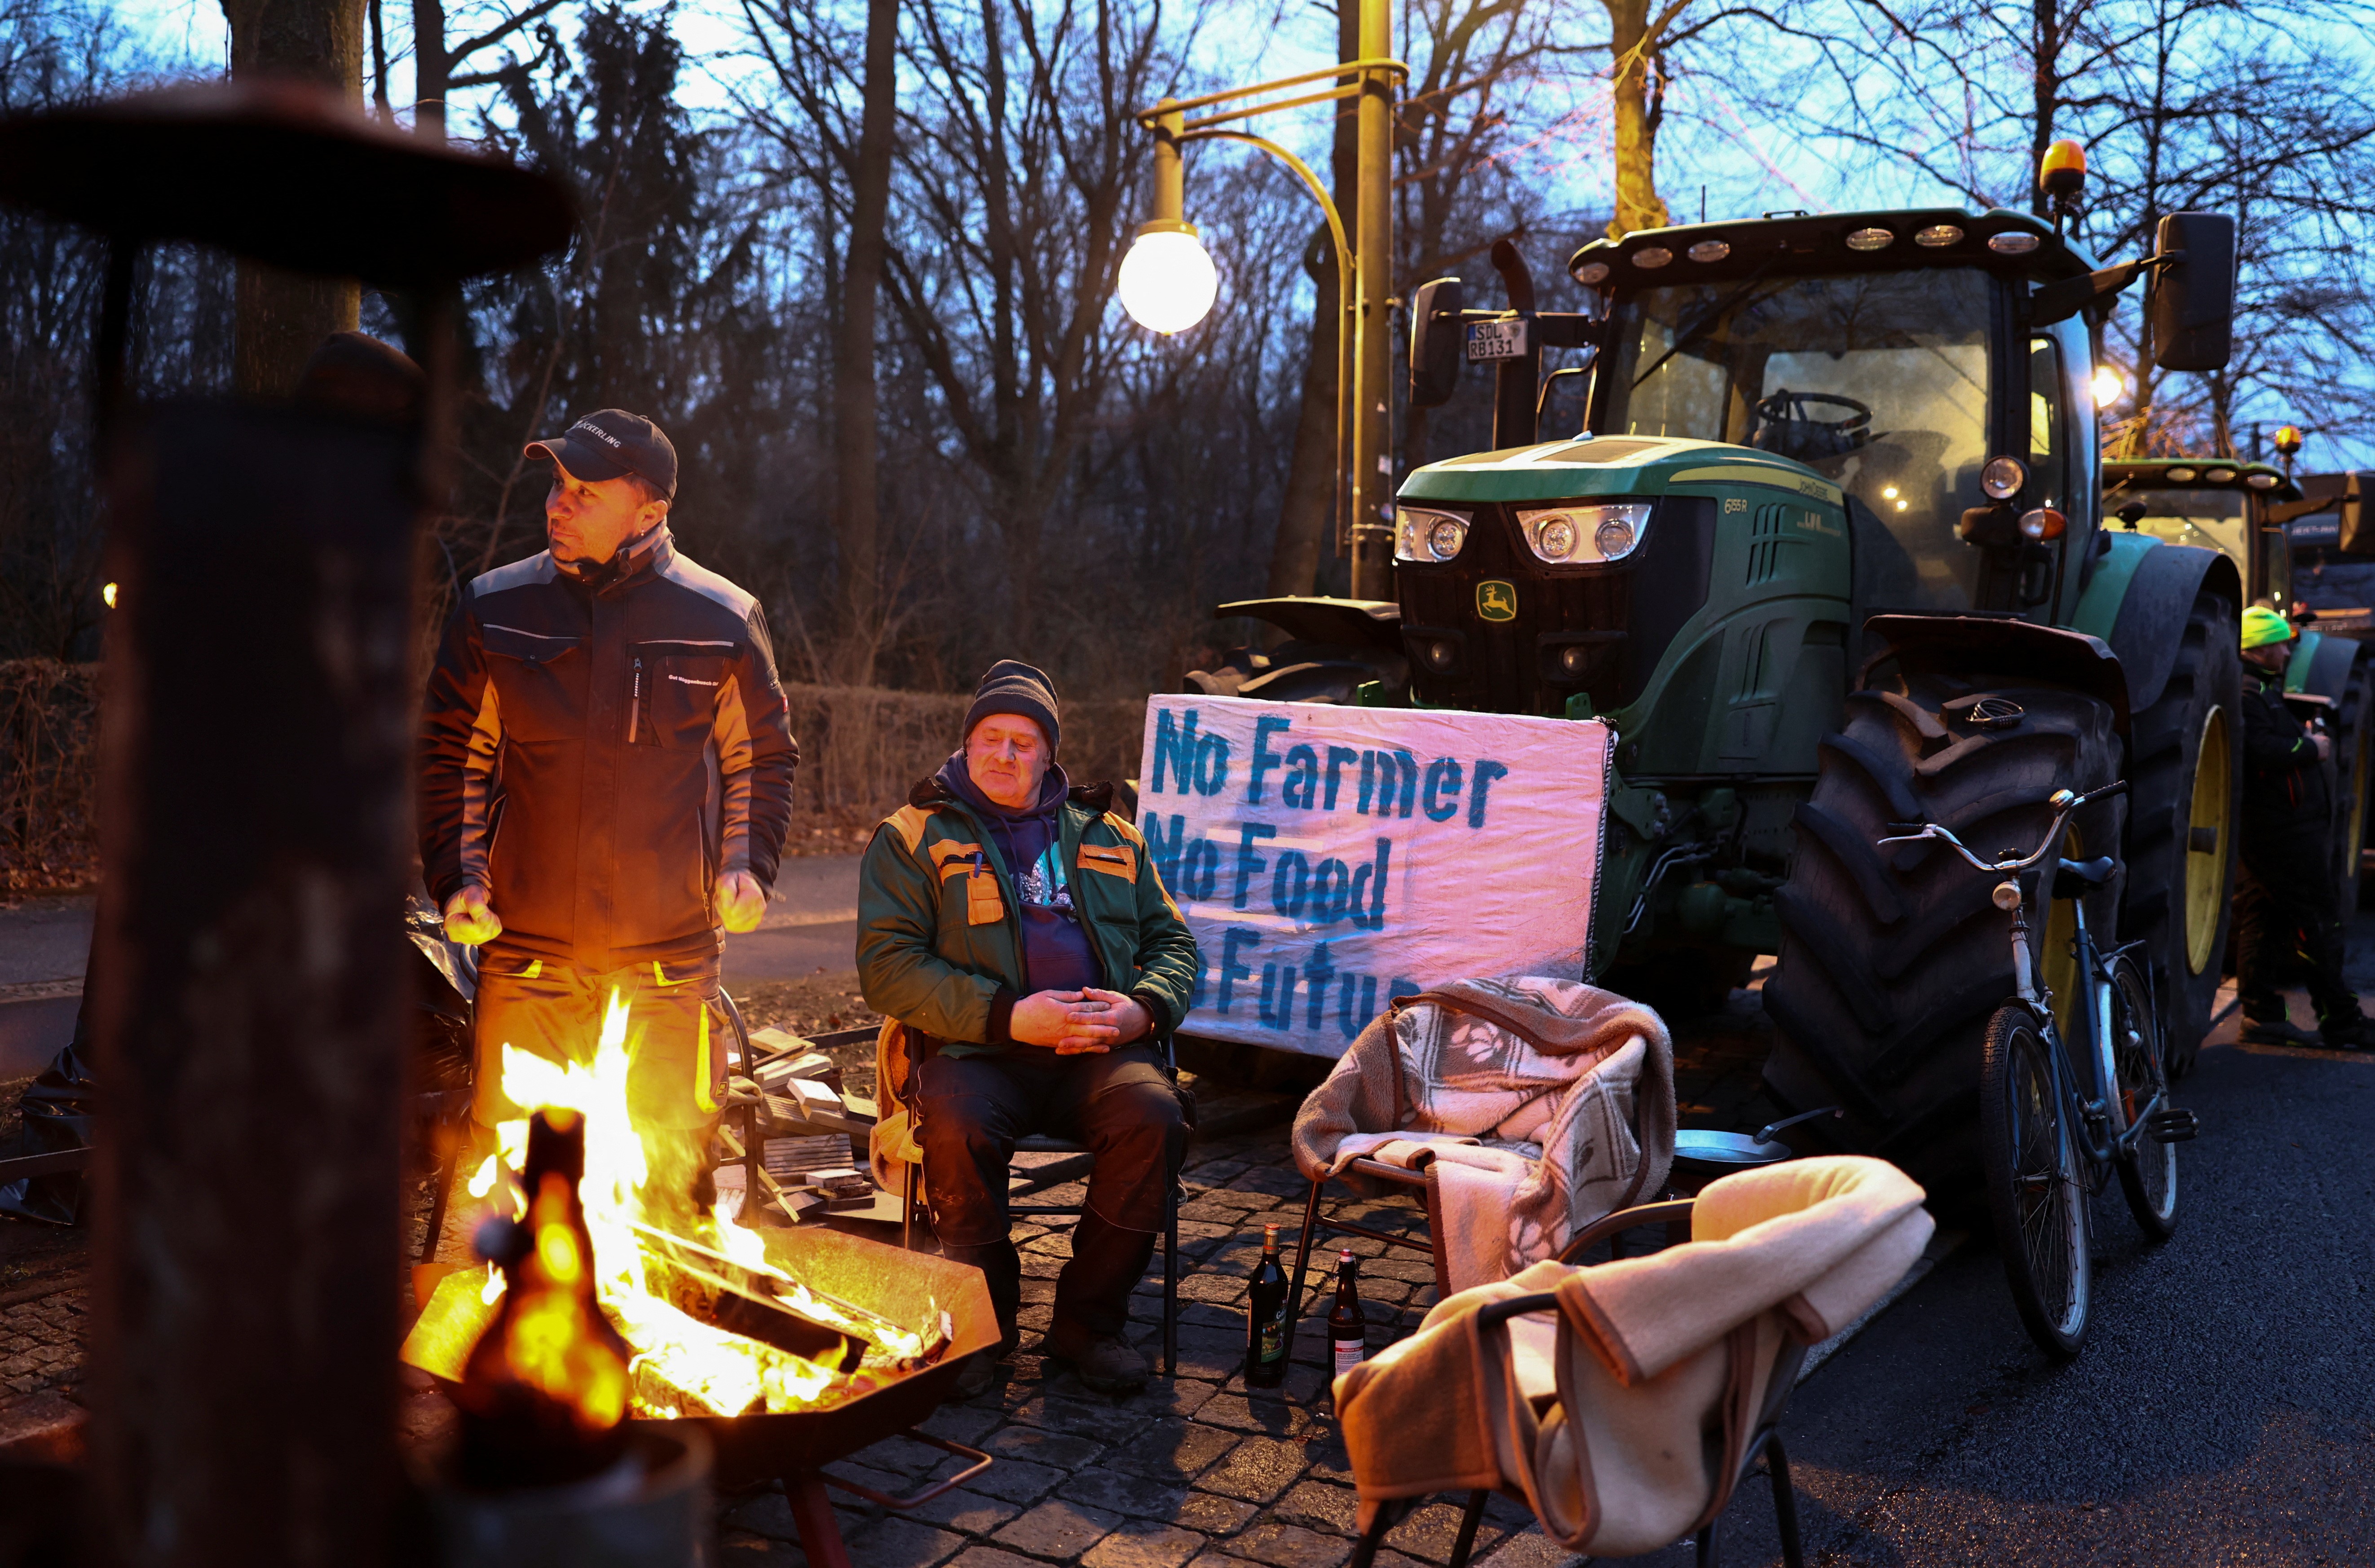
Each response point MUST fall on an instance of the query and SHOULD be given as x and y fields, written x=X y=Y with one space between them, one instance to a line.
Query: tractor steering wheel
x=1786 y=426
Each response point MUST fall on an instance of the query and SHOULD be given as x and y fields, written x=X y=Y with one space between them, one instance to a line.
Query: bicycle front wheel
x=2148 y=1173
x=2036 y=1197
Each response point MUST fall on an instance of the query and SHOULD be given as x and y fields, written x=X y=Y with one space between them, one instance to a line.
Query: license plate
x=1496 y=341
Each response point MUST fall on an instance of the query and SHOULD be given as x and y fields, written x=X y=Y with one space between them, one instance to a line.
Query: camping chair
x=912 y=1207
x=1765 y=1443
x=1663 y=1378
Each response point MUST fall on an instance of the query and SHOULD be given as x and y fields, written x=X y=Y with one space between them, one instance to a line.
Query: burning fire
x=682 y=1364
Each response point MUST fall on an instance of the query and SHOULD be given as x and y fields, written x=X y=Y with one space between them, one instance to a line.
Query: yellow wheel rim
x=2206 y=845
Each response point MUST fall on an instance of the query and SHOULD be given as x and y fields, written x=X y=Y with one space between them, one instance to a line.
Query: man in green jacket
x=1020 y=931
x=2287 y=913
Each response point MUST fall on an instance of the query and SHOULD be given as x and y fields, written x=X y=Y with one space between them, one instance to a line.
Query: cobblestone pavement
x=1197 y=1471
x=1199 y=1468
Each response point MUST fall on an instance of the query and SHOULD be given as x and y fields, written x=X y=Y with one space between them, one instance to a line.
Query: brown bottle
x=544 y=1394
x=1348 y=1326
x=1266 y=1329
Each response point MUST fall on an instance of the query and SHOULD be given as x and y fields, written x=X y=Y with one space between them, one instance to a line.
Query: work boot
x=1103 y=1362
x=2349 y=1032
x=981 y=1367
x=2277 y=1031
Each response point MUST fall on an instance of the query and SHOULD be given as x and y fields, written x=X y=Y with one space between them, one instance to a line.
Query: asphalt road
x=2221 y=1412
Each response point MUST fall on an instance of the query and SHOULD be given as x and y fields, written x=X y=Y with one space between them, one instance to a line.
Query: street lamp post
x=1167 y=280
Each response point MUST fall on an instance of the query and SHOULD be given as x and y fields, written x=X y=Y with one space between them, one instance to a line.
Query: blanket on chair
x=1623 y=1419
x=1566 y=1091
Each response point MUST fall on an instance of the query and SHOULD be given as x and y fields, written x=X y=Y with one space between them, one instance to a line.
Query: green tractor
x=1827 y=553
x=2252 y=515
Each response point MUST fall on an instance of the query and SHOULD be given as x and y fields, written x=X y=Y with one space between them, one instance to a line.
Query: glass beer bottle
x=1348 y=1330
x=544 y=1395
x=1266 y=1329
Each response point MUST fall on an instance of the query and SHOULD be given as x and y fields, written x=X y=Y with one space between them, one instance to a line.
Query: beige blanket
x=1661 y=1370
x=1568 y=1088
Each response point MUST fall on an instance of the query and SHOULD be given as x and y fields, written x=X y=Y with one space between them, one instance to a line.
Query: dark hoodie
x=1056 y=954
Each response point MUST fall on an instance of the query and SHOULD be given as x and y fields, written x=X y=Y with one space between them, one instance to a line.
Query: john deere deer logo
x=1496 y=600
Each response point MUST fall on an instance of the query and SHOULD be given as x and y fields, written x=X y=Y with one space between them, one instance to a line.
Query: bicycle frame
x=2109 y=1133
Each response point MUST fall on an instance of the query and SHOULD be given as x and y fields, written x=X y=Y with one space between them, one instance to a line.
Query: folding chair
x=1035 y=1143
x=1766 y=1441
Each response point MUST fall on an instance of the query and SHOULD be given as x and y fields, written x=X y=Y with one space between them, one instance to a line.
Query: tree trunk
x=856 y=500
x=1637 y=91
x=282 y=318
x=430 y=68
x=1309 y=507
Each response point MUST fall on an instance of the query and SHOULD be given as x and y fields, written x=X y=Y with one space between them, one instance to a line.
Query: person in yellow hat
x=2286 y=914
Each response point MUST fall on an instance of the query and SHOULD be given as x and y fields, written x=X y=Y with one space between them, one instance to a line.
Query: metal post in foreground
x=255 y=809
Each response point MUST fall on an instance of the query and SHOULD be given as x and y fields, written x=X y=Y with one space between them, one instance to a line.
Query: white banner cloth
x=1331 y=858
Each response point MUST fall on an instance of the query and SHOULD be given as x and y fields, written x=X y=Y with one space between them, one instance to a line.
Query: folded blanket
x=1580 y=1075
x=1661 y=1369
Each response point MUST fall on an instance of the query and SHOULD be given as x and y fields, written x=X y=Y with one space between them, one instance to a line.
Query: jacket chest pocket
x=1106 y=882
x=539 y=682
x=985 y=905
x=674 y=691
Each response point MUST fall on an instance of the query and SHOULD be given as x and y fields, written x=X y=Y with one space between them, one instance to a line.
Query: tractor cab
x=1892 y=411
x=2234 y=508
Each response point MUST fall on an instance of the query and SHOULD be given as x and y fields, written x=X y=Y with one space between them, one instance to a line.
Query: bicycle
x=2055 y=1123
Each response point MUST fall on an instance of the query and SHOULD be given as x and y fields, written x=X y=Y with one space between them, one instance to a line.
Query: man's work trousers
x=1120 y=1104
x=2287 y=917
x=676 y=1073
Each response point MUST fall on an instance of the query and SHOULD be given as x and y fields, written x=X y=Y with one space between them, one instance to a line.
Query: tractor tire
x=2353 y=751
x=1892 y=960
x=2185 y=781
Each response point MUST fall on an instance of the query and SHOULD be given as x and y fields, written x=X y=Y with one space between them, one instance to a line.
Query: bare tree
x=284 y=316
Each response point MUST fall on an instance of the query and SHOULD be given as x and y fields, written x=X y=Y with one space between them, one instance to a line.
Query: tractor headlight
x=1428 y=537
x=2002 y=478
x=1582 y=535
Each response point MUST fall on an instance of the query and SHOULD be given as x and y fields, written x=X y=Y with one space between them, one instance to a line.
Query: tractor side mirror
x=1436 y=347
x=2357 y=534
x=2192 y=303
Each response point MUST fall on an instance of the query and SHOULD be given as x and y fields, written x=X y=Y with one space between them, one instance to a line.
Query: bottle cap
x=1344 y=1257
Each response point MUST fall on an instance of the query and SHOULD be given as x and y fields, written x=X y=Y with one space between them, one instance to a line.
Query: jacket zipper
x=635 y=703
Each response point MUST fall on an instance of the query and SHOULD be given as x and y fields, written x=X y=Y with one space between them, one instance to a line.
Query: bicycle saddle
x=2072 y=878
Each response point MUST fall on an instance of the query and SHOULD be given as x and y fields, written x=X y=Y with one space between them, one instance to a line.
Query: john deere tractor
x=2242 y=510
x=1827 y=553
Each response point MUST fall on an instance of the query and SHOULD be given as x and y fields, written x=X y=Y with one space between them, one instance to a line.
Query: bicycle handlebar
x=2063 y=802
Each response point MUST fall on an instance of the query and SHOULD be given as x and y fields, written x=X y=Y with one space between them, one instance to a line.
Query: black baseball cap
x=611 y=442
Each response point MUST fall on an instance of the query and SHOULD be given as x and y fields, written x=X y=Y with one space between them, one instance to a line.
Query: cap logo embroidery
x=597 y=432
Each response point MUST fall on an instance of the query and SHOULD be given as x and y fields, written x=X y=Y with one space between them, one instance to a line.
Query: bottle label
x=1273 y=1339
x=1350 y=1353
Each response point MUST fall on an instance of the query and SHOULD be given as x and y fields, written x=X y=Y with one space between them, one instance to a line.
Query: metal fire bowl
x=907 y=1288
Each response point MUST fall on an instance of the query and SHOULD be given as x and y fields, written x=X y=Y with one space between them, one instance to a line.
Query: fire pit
x=790 y=1349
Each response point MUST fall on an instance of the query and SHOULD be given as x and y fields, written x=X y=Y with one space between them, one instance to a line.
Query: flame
x=679 y=1359
x=492 y=1291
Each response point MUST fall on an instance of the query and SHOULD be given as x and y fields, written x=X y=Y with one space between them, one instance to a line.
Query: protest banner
x=1329 y=858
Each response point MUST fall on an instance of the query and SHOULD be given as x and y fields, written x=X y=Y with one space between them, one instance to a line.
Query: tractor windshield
x=1878 y=381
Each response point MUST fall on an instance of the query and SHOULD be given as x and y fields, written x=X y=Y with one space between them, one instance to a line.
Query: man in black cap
x=1018 y=929
x=606 y=781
